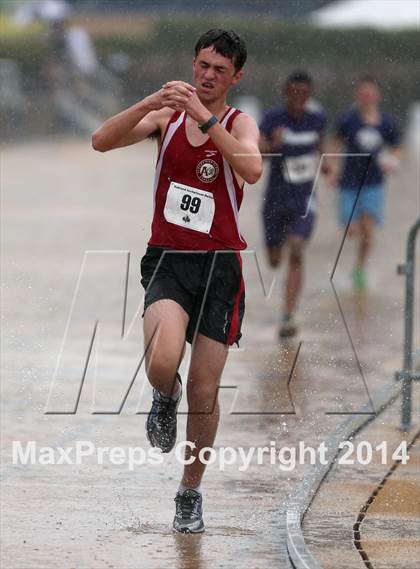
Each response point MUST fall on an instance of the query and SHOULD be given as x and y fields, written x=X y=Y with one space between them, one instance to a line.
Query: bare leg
x=165 y=324
x=367 y=225
x=294 y=278
x=274 y=256
x=354 y=229
x=207 y=362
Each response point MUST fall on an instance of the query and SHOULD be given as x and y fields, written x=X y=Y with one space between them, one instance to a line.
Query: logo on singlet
x=207 y=170
x=369 y=139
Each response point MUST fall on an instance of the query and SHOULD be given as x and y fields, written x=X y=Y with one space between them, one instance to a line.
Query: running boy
x=363 y=133
x=293 y=133
x=192 y=268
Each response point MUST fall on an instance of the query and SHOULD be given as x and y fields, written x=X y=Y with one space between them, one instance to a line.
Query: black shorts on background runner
x=184 y=277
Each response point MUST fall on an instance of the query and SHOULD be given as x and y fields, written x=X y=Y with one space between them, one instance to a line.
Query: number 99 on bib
x=189 y=207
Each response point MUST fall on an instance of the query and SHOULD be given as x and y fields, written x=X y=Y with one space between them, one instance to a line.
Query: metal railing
x=407 y=374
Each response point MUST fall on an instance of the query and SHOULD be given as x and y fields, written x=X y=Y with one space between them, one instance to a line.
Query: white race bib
x=300 y=169
x=189 y=207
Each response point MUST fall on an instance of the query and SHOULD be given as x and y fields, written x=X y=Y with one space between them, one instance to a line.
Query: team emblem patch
x=207 y=170
x=369 y=139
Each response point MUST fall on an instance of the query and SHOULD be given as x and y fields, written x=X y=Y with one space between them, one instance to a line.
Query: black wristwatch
x=205 y=126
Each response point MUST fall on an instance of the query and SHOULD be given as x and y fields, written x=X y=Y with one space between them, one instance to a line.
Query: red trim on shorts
x=234 y=321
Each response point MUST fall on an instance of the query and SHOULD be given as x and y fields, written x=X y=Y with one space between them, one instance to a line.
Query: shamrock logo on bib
x=189 y=207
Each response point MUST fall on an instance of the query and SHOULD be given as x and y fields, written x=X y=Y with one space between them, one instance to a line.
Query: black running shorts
x=208 y=285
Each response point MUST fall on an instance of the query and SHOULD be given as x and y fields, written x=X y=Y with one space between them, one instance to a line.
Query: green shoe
x=359 y=279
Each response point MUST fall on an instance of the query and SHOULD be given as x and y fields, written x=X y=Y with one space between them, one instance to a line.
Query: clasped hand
x=181 y=96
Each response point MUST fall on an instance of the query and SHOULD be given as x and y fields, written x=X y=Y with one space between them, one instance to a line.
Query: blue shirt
x=292 y=173
x=362 y=138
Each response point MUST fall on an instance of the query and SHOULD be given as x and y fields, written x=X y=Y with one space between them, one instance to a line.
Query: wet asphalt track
x=61 y=199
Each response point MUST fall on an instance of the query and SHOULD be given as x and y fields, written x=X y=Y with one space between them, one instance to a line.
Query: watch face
x=205 y=127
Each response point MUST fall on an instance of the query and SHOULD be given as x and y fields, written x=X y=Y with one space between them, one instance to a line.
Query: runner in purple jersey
x=292 y=133
x=370 y=140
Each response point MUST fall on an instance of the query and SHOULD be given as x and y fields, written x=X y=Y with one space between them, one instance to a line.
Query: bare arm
x=127 y=127
x=335 y=148
x=327 y=167
x=396 y=151
x=273 y=143
x=390 y=161
x=239 y=147
x=138 y=121
x=264 y=144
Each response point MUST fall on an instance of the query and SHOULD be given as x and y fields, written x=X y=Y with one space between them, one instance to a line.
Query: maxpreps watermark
x=286 y=458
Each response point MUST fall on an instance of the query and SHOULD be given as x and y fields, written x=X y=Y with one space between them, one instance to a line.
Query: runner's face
x=213 y=74
x=297 y=95
x=367 y=94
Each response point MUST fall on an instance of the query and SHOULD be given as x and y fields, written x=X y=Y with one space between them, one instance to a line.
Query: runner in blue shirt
x=373 y=136
x=294 y=134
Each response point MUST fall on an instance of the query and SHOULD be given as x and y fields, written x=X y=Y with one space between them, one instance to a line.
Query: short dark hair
x=227 y=43
x=368 y=78
x=299 y=77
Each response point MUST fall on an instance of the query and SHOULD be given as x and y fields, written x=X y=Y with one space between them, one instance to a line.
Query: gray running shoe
x=161 y=421
x=189 y=512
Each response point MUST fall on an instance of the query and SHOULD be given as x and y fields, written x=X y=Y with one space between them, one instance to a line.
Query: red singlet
x=196 y=195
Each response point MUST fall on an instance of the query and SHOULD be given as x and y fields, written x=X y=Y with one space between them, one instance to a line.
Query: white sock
x=182 y=488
